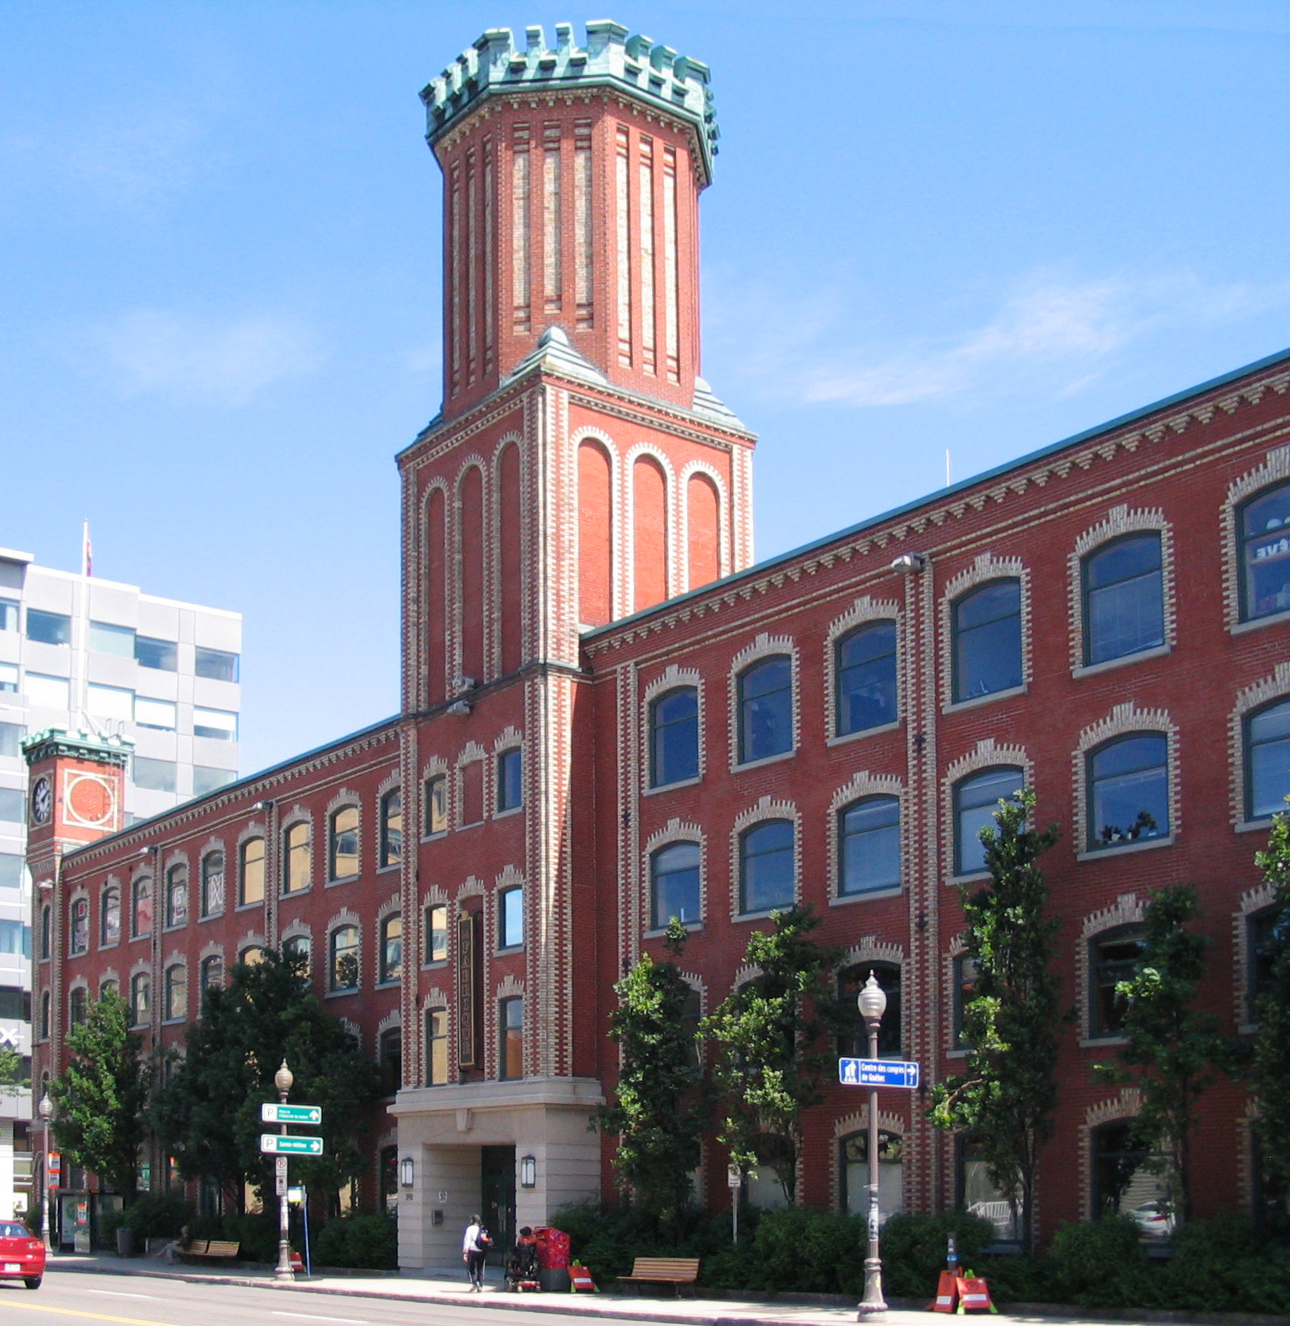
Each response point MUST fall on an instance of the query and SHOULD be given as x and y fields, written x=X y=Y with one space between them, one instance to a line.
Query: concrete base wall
x=443 y=1128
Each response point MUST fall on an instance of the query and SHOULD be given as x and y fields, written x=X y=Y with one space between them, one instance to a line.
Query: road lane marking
x=313 y=1316
x=116 y=1293
x=78 y=1312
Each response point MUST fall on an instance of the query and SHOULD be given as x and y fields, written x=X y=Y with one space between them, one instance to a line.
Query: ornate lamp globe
x=872 y=1000
x=284 y=1077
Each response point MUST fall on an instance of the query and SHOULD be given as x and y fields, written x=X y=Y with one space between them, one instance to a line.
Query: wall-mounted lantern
x=528 y=1171
x=406 y=1171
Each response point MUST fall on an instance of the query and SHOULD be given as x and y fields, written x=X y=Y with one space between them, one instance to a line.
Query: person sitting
x=171 y=1250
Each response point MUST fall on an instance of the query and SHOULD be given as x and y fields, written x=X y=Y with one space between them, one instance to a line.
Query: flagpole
x=83 y=650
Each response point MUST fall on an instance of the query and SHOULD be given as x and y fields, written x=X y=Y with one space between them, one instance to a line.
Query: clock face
x=42 y=801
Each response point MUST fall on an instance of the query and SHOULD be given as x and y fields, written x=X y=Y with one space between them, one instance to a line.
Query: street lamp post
x=283 y=1079
x=873 y=1004
x=46 y=1108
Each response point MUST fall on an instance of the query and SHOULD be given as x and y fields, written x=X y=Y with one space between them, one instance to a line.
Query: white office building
x=80 y=652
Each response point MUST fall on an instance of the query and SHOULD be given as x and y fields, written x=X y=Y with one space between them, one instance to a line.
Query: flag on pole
x=87 y=552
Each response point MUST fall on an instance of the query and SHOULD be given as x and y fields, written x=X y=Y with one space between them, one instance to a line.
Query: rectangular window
x=437 y=933
x=472 y=792
x=159 y=714
x=218 y=724
x=510 y=790
x=8 y=676
x=115 y=640
x=50 y=628
x=510 y=923
x=8 y=615
x=216 y=664
x=510 y=1036
x=10 y=870
x=15 y=938
x=12 y=805
x=207 y=780
x=160 y=654
x=674 y=737
x=115 y=702
x=155 y=775
x=15 y=1004
x=437 y=804
x=11 y=735
x=46 y=692
x=436 y=1047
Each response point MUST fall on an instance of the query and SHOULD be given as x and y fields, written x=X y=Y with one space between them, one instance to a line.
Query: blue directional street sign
x=878 y=1073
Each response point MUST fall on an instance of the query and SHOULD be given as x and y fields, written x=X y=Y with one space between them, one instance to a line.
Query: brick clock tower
x=580 y=470
x=76 y=795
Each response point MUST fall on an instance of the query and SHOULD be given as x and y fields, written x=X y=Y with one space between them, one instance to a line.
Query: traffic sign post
x=878 y=1073
x=276 y=1144
x=310 y=1115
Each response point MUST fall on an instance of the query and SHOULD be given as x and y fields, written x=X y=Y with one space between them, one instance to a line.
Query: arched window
x=510 y=1036
x=213 y=884
x=300 y=947
x=390 y=1056
x=436 y=933
x=965 y=974
x=510 y=779
x=250 y=872
x=140 y=998
x=976 y=798
x=342 y=843
x=1260 y=955
x=865 y=677
x=436 y=1047
x=1129 y=1180
x=1265 y=553
x=987 y=640
x=110 y=916
x=343 y=966
x=1267 y=760
x=392 y=948
x=297 y=857
x=110 y=988
x=1113 y=957
x=869 y=845
x=436 y=805
x=1124 y=597
x=854 y=1172
x=674 y=884
x=46 y=932
x=766 y=709
x=978 y=1194
x=141 y=909
x=766 y=867
x=46 y=1018
x=78 y=938
x=176 y=992
x=78 y=1005
x=674 y=737
x=510 y=917
x=176 y=896
x=392 y=827
x=763 y=1187
x=251 y=956
x=211 y=973
x=1128 y=790
x=850 y=983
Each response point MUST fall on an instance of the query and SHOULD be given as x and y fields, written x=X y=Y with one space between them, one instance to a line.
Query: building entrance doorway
x=497 y=1198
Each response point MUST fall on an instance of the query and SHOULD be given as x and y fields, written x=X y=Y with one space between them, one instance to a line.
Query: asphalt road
x=81 y=1299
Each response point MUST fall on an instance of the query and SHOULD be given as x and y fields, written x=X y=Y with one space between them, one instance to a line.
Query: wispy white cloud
x=204 y=361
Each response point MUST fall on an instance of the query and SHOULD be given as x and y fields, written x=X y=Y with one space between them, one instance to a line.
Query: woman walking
x=474 y=1246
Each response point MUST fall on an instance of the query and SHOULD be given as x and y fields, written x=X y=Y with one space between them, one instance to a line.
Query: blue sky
x=976 y=226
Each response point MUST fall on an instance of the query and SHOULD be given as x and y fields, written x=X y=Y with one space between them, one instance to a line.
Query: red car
x=21 y=1256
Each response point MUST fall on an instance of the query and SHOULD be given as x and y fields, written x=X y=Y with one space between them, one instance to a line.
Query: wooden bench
x=211 y=1249
x=674 y=1271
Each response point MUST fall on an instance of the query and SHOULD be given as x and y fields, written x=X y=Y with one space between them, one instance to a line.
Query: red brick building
x=610 y=716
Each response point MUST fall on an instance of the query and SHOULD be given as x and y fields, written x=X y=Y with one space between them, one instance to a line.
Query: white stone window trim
x=435 y=767
x=1119 y=522
x=110 y=882
x=675 y=830
x=509 y=987
x=848 y=1126
x=986 y=568
x=767 y=808
x=988 y=754
x=435 y=897
x=618 y=594
x=254 y=829
x=176 y=860
x=79 y=894
x=174 y=960
x=763 y=647
x=297 y=815
x=1261 y=693
x=339 y=920
x=709 y=472
x=871 y=949
x=298 y=929
x=1128 y=909
x=393 y=905
x=1250 y=904
x=671 y=505
x=209 y=848
x=672 y=678
x=510 y=738
x=511 y=877
x=1114 y=1109
x=1274 y=471
x=344 y=798
x=471 y=753
x=862 y=785
x=471 y=887
x=865 y=611
x=1125 y=720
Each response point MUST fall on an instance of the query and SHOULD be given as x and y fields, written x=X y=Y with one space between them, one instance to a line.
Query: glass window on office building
x=49 y=628
x=155 y=775
x=160 y=654
x=207 y=780
x=10 y=870
x=8 y=615
x=11 y=735
x=111 y=702
x=158 y=714
x=217 y=724
x=45 y=692
x=216 y=665
x=8 y=676
x=106 y=638
x=15 y=938
x=13 y=802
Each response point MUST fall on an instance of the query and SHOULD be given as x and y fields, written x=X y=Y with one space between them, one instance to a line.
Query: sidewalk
x=447 y=1285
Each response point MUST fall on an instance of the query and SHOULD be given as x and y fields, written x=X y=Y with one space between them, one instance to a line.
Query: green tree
x=659 y=1111
x=13 y=1076
x=1270 y=1053
x=1171 y=1048
x=101 y=1096
x=771 y=1057
x=207 y=1108
x=1006 y=1095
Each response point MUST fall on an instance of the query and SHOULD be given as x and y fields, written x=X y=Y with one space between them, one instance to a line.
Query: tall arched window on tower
x=703 y=511
x=470 y=500
x=595 y=535
x=510 y=524
x=650 y=532
x=436 y=597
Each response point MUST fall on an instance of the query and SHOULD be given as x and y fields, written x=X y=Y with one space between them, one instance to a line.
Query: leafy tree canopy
x=1270 y=1067
x=207 y=1109
x=14 y=1076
